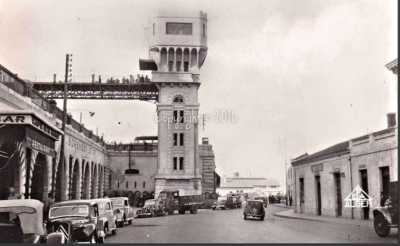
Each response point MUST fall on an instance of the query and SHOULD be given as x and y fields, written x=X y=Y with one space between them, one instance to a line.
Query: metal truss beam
x=146 y=91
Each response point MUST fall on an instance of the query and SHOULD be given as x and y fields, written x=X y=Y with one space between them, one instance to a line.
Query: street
x=228 y=226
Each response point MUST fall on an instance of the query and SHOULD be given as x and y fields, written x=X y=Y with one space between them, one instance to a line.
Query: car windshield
x=117 y=203
x=254 y=204
x=222 y=198
x=64 y=211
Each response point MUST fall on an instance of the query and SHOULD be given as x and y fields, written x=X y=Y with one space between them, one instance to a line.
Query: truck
x=236 y=201
x=171 y=201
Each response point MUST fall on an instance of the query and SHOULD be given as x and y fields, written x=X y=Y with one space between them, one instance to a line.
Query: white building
x=254 y=186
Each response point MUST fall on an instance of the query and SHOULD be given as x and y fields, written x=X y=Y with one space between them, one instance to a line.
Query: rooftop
x=337 y=149
x=248 y=182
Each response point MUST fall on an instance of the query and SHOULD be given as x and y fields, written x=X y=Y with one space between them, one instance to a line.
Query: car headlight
x=89 y=228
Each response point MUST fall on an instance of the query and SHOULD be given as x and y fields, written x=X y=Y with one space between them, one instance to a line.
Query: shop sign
x=28 y=119
x=36 y=145
x=15 y=119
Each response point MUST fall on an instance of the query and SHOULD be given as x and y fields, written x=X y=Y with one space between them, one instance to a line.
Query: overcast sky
x=297 y=76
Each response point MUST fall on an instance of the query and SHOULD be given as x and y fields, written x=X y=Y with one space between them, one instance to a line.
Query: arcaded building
x=30 y=147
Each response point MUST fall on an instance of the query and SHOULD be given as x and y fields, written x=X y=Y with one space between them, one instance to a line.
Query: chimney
x=391 y=120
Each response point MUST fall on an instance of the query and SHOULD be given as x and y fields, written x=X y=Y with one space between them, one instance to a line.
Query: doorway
x=301 y=181
x=364 y=187
x=338 y=190
x=318 y=193
x=39 y=179
x=385 y=182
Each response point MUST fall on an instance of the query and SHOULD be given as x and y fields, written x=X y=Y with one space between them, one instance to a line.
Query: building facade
x=140 y=158
x=253 y=186
x=207 y=167
x=30 y=147
x=325 y=178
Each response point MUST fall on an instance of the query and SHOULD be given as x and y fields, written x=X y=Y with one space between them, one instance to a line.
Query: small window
x=181 y=163
x=117 y=184
x=144 y=184
x=178 y=66
x=204 y=30
x=176 y=28
x=127 y=184
x=175 y=116
x=126 y=202
x=178 y=99
x=170 y=66
x=108 y=206
x=134 y=184
x=175 y=163
x=181 y=139
x=175 y=139
x=186 y=66
x=181 y=116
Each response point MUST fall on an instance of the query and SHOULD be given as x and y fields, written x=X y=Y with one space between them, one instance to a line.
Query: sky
x=281 y=77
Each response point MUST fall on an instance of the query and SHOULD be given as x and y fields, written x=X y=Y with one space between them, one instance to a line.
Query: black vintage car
x=254 y=209
x=386 y=216
x=78 y=220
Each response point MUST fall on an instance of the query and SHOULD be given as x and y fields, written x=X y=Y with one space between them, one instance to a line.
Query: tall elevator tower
x=178 y=48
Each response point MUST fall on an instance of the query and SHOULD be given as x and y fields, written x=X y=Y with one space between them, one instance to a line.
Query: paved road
x=228 y=226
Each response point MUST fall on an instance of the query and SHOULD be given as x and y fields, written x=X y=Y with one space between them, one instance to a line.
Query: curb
x=315 y=220
x=299 y=218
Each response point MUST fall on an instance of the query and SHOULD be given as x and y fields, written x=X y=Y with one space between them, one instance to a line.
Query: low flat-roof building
x=324 y=179
x=257 y=186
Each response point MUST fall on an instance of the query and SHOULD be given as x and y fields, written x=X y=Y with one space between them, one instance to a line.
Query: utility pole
x=68 y=75
x=204 y=121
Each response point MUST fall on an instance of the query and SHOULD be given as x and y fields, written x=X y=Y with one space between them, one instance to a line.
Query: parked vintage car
x=122 y=210
x=264 y=199
x=254 y=209
x=150 y=209
x=223 y=202
x=106 y=211
x=386 y=217
x=78 y=220
x=21 y=221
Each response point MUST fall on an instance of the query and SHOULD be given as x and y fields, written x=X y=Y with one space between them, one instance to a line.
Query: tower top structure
x=177 y=47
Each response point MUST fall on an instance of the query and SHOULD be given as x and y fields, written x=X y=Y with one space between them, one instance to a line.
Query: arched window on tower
x=178 y=99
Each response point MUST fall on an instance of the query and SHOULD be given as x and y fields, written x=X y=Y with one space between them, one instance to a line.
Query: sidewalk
x=290 y=214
